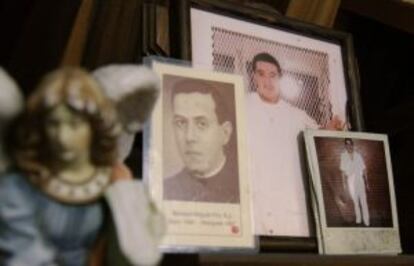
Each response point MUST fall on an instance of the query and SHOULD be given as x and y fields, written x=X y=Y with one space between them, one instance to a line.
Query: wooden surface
x=303 y=260
x=285 y=260
x=115 y=35
x=319 y=12
x=75 y=46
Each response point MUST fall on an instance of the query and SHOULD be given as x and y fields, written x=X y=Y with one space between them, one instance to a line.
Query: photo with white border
x=354 y=198
x=196 y=159
x=292 y=82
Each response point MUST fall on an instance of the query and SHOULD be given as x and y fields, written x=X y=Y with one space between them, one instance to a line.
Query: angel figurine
x=52 y=211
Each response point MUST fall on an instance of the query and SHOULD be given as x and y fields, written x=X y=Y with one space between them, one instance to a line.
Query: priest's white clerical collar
x=214 y=171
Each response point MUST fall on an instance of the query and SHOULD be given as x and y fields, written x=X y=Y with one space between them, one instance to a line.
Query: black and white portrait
x=196 y=160
x=201 y=158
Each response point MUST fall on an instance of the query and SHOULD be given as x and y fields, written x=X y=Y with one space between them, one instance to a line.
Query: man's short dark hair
x=190 y=85
x=265 y=57
x=349 y=141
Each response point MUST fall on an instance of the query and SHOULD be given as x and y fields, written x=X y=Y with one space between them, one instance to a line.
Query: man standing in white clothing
x=279 y=199
x=355 y=181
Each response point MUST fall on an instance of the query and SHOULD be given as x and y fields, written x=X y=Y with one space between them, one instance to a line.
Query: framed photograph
x=296 y=76
x=353 y=192
x=196 y=159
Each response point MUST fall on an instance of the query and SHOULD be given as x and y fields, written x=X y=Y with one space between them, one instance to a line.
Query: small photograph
x=352 y=192
x=354 y=180
x=200 y=139
x=195 y=160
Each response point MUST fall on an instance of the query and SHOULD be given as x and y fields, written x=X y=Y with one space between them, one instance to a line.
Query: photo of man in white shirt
x=279 y=192
x=355 y=181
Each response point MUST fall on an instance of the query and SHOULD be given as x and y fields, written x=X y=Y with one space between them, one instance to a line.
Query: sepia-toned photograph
x=352 y=179
x=200 y=141
x=354 y=182
x=196 y=161
x=292 y=82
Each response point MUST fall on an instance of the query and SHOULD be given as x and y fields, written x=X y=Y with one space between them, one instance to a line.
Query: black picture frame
x=180 y=48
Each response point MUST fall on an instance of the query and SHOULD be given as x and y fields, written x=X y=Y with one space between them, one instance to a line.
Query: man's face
x=266 y=78
x=349 y=146
x=200 y=137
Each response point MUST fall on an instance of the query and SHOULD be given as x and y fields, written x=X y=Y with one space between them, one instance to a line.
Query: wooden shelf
x=285 y=259
x=305 y=260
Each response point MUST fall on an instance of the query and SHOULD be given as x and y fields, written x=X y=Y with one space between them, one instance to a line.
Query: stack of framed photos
x=286 y=76
x=296 y=76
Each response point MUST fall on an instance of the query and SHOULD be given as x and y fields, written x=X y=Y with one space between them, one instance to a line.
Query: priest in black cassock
x=202 y=129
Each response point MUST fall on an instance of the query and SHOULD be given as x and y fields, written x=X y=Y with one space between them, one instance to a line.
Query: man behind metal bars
x=280 y=203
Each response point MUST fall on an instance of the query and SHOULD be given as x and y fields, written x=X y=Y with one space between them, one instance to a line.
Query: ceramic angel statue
x=52 y=212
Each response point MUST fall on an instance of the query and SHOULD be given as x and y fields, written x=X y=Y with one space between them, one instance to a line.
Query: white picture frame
x=200 y=219
x=353 y=196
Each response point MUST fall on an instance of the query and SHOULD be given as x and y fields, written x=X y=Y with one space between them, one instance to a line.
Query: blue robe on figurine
x=37 y=230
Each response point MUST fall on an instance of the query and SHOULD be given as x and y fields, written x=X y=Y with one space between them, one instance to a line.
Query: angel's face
x=68 y=135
